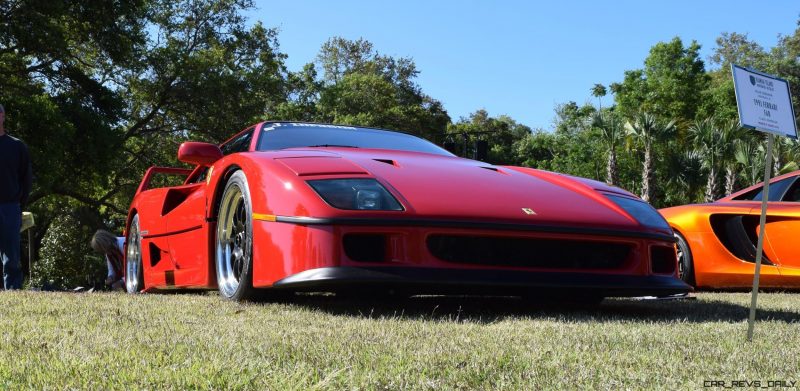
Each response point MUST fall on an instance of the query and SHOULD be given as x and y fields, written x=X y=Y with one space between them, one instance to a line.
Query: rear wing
x=148 y=176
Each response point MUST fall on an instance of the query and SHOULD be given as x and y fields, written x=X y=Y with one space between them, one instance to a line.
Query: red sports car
x=312 y=207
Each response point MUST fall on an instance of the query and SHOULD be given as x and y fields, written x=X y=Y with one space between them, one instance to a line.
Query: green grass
x=198 y=341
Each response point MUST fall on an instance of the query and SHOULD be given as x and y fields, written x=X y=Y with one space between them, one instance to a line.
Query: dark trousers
x=10 y=223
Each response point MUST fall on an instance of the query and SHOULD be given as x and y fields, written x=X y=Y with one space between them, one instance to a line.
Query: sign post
x=765 y=104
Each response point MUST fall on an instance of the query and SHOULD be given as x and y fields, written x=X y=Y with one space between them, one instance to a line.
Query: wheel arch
x=219 y=187
x=693 y=270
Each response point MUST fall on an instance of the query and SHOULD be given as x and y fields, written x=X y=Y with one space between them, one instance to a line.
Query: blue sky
x=519 y=58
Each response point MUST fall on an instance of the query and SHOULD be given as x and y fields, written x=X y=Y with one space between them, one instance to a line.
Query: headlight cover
x=355 y=194
x=641 y=211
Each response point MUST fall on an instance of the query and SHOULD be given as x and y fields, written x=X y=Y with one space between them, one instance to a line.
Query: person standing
x=15 y=186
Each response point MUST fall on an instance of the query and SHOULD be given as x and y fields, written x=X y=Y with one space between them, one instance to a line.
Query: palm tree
x=644 y=131
x=599 y=91
x=685 y=172
x=793 y=155
x=609 y=126
x=731 y=134
x=750 y=155
x=708 y=139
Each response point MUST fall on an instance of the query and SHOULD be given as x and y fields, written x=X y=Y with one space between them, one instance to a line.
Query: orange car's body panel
x=716 y=264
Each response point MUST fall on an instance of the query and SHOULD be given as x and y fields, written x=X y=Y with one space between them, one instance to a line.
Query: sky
x=519 y=58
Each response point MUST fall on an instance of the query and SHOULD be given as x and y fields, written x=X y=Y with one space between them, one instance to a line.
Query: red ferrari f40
x=310 y=207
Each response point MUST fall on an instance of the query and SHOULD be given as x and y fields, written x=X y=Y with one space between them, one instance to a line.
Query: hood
x=445 y=187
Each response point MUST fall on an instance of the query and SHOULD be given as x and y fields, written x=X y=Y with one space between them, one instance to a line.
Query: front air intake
x=663 y=260
x=365 y=247
x=529 y=252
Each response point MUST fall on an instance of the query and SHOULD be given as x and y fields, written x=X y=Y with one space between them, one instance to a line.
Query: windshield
x=276 y=136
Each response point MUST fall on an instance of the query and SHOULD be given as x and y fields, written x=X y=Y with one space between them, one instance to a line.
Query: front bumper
x=419 y=280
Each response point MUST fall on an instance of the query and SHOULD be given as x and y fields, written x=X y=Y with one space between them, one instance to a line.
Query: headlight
x=355 y=194
x=641 y=211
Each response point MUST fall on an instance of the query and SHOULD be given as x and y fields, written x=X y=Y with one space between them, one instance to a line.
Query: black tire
x=234 y=241
x=134 y=274
x=685 y=260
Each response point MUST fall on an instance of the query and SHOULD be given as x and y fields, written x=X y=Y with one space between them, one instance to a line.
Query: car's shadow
x=493 y=309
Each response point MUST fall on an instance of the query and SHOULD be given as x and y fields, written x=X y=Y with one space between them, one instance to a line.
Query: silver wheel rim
x=133 y=258
x=233 y=251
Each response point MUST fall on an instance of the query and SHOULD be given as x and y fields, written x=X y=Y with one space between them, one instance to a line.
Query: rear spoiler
x=148 y=176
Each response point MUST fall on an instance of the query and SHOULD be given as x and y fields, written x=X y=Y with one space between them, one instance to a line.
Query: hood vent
x=387 y=161
x=497 y=170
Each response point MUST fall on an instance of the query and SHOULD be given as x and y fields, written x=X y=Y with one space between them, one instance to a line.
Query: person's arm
x=25 y=175
x=111 y=274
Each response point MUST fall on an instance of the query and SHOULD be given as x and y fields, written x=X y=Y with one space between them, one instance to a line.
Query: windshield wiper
x=331 y=145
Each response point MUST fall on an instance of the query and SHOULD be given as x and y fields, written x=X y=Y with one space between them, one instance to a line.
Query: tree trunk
x=711 y=185
x=611 y=168
x=730 y=180
x=647 y=173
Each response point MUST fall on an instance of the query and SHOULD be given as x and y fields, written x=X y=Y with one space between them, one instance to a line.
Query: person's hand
x=109 y=280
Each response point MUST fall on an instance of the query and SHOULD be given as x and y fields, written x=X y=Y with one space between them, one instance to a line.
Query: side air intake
x=739 y=235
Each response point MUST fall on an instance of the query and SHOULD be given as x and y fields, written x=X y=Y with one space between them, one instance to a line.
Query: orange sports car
x=716 y=242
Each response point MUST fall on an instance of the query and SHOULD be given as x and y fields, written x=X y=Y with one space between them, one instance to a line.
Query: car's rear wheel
x=685 y=260
x=234 y=244
x=134 y=275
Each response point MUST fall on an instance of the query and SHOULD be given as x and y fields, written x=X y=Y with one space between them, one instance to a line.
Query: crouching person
x=104 y=242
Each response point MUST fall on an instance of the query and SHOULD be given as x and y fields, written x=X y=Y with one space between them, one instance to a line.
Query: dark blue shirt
x=15 y=170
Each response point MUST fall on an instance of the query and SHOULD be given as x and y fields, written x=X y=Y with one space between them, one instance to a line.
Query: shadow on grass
x=493 y=309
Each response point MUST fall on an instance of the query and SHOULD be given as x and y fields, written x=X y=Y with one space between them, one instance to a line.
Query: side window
x=239 y=144
x=793 y=195
x=776 y=191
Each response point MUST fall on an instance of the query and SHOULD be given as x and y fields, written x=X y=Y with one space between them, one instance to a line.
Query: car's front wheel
x=685 y=261
x=134 y=275
x=234 y=244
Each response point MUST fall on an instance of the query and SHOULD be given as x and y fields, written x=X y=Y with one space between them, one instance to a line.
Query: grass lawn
x=198 y=341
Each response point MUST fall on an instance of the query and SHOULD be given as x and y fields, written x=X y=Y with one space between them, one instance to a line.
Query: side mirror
x=201 y=154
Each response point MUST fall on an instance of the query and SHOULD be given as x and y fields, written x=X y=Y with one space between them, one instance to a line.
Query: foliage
x=670 y=84
x=102 y=90
x=504 y=133
x=360 y=86
x=67 y=260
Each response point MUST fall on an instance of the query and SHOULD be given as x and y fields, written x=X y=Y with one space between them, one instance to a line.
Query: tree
x=709 y=141
x=784 y=63
x=502 y=133
x=644 y=131
x=571 y=118
x=731 y=134
x=750 y=156
x=611 y=131
x=362 y=87
x=670 y=84
x=684 y=176
x=735 y=48
x=599 y=91
x=102 y=90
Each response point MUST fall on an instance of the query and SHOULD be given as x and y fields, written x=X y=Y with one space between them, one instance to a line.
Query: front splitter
x=477 y=281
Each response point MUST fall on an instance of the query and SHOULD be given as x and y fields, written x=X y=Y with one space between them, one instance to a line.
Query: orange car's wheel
x=685 y=260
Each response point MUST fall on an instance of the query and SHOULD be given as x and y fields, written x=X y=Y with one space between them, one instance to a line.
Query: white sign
x=764 y=102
